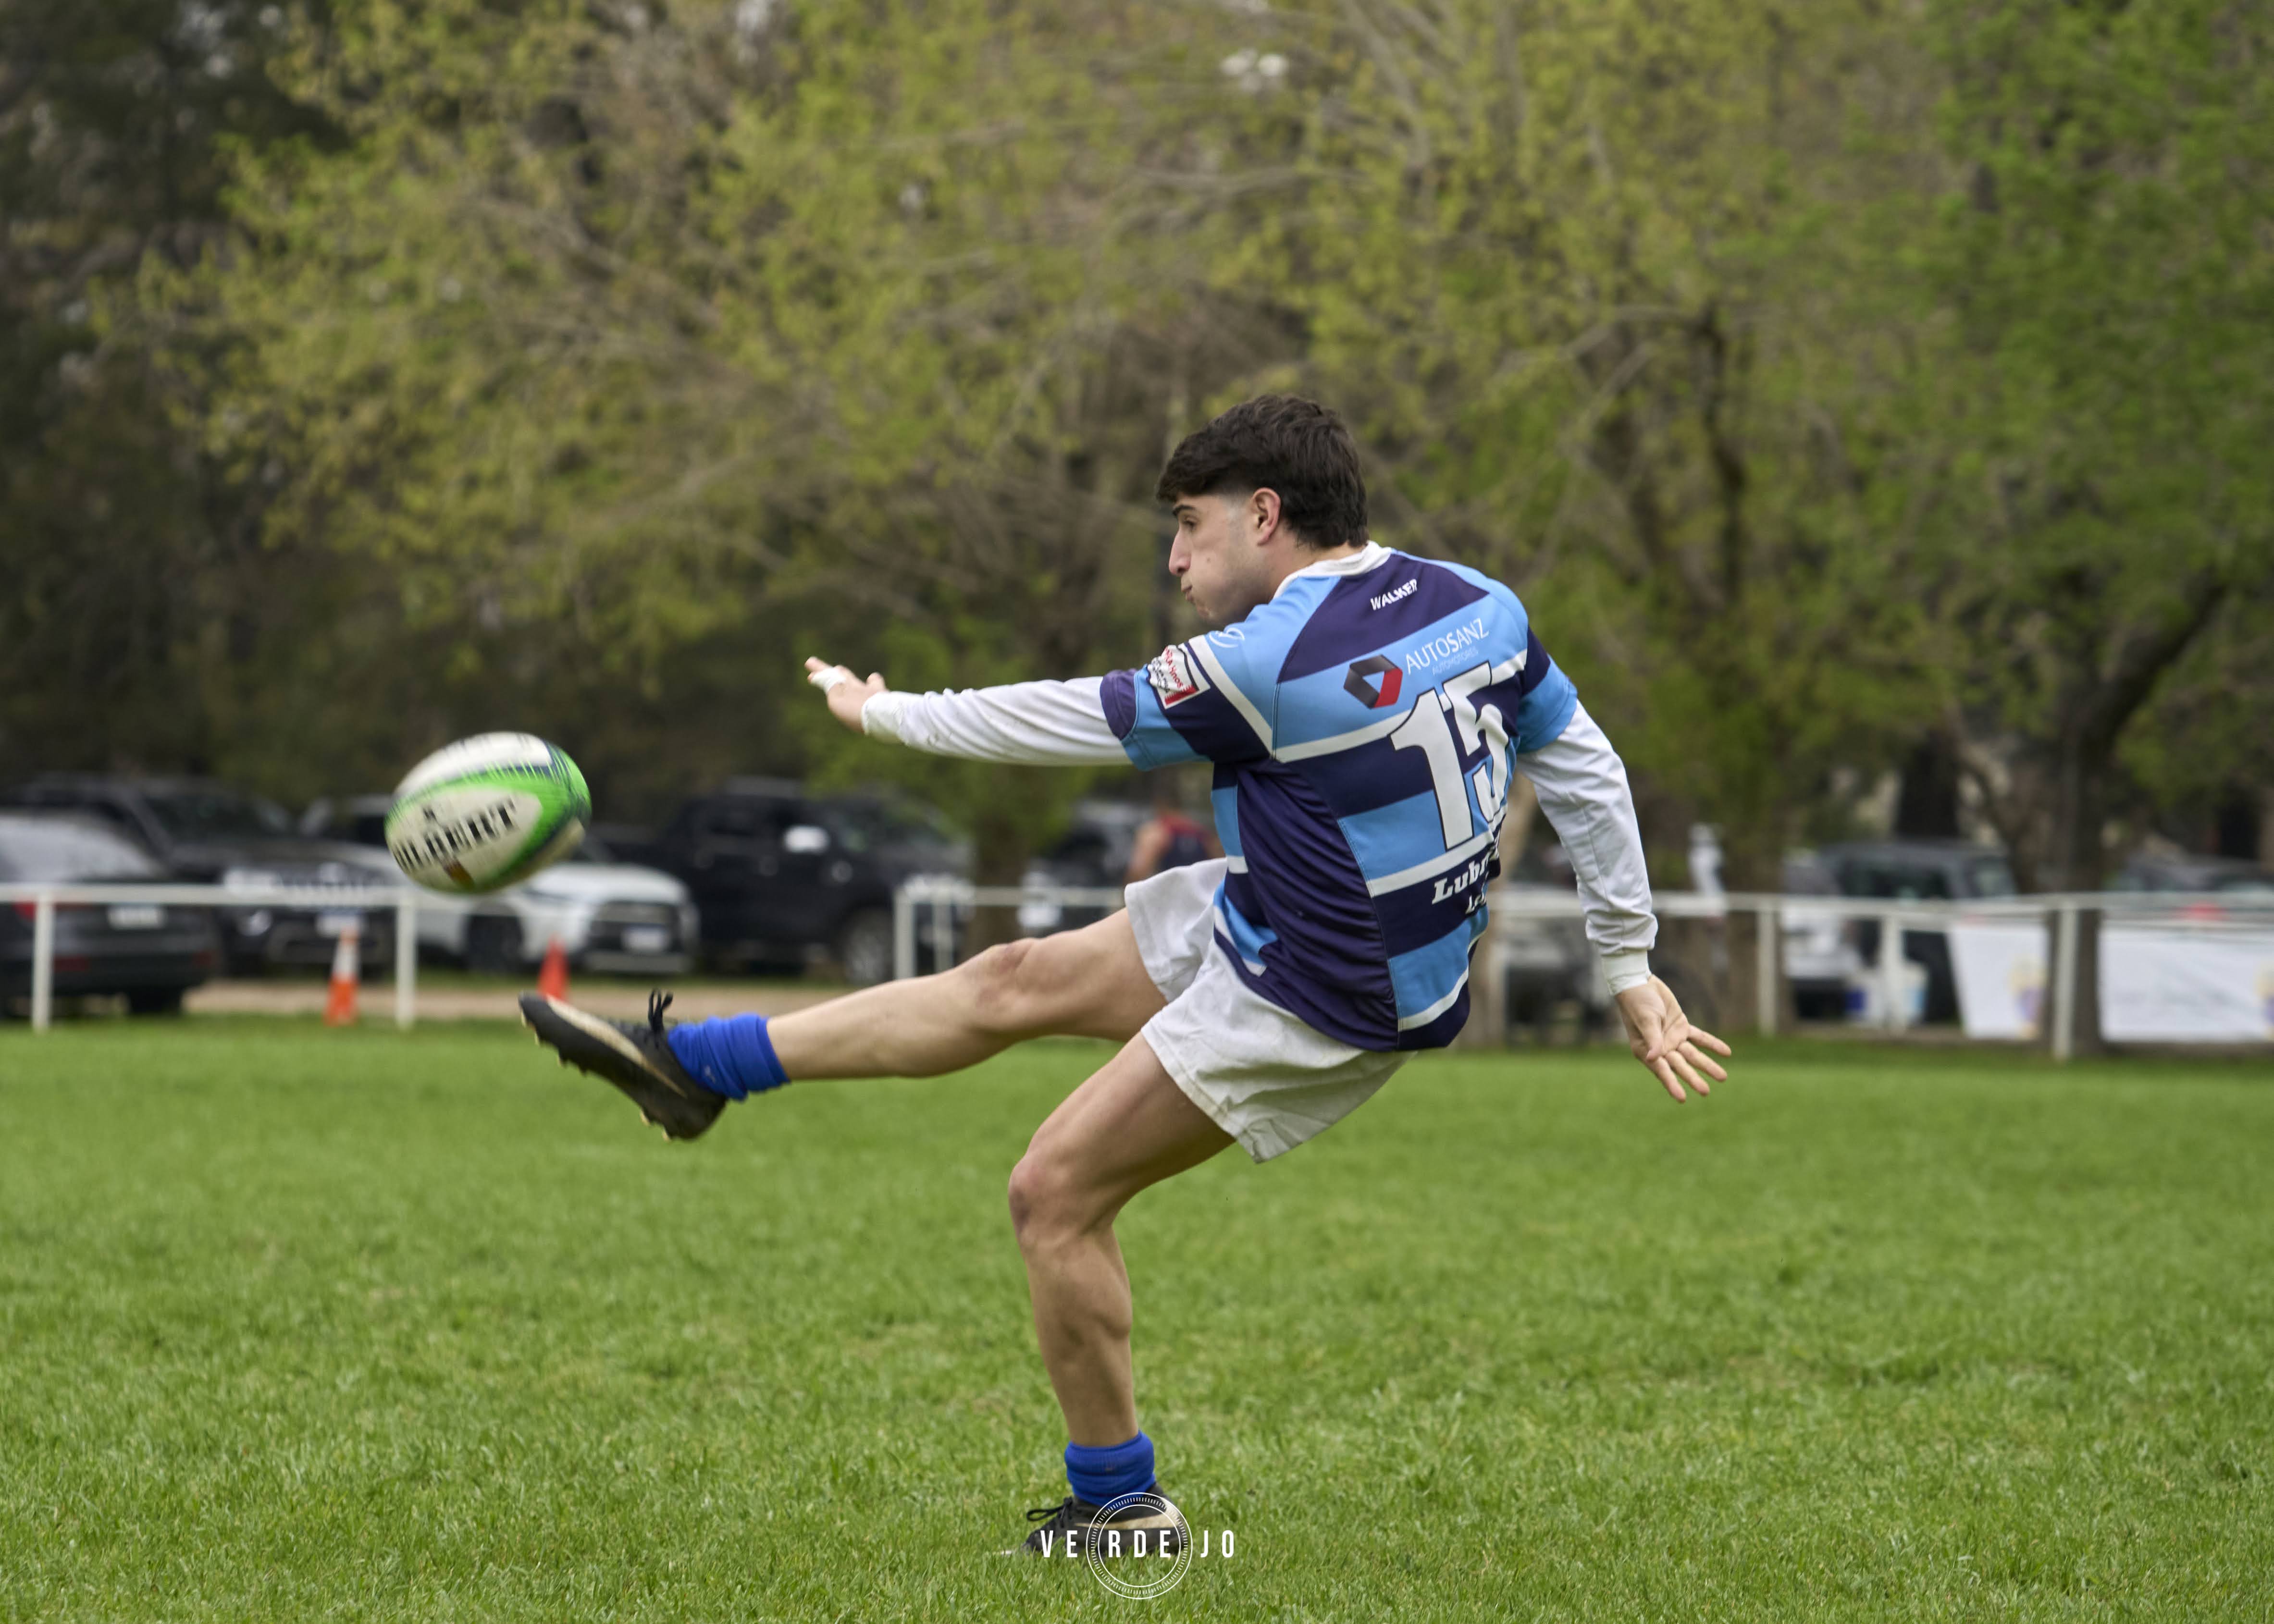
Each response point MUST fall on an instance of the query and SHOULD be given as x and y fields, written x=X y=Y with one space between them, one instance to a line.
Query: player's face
x=1219 y=559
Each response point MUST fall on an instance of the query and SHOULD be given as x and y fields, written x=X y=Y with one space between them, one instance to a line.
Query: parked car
x=2195 y=874
x=782 y=878
x=1546 y=962
x=1919 y=871
x=151 y=953
x=1093 y=852
x=1821 y=960
x=608 y=915
x=1822 y=965
x=206 y=832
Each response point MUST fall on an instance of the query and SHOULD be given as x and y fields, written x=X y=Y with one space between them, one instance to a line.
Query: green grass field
x=299 y=1325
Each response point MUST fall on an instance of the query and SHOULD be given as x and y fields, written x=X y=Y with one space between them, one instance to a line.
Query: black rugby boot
x=636 y=1058
x=1076 y=1523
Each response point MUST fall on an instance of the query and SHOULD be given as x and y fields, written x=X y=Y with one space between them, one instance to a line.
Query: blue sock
x=1102 y=1475
x=733 y=1057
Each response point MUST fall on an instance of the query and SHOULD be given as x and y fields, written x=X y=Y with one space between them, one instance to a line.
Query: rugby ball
x=485 y=813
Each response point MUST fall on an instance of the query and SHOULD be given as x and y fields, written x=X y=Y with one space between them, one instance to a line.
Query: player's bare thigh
x=1089 y=982
x=1128 y=1126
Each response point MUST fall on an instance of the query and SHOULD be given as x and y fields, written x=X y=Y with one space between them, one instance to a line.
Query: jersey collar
x=1374 y=555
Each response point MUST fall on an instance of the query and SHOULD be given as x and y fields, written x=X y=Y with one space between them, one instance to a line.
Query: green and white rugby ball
x=486 y=812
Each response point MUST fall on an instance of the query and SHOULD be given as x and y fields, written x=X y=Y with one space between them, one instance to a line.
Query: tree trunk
x=1927 y=807
x=2073 y=863
x=1001 y=848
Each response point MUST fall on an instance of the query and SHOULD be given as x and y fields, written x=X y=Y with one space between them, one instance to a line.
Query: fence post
x=1891 y=972
x=2064 y=982
x=1768 y=921
x=406 y=960
x=943 y=936
x=904 y=934
x=44 y=961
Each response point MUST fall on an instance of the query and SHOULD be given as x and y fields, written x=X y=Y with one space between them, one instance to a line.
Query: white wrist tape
x=829 y=676
x=1622 y=970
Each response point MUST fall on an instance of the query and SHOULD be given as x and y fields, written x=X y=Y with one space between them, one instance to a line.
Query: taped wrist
x=1622 y=970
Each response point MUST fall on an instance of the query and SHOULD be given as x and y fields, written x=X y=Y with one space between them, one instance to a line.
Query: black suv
x=782 y=878
x=206 y=832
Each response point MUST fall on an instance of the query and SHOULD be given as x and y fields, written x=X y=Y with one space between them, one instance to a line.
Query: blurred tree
x=2105 y=395
x=134 y=587
x=755 y=324
x=1594 y=282
x=579 y=364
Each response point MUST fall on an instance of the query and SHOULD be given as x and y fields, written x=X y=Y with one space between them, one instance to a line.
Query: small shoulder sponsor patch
x=1176 y=676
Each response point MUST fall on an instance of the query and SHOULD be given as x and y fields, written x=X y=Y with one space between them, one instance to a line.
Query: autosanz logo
x=1372 y=697
x=1394 y=594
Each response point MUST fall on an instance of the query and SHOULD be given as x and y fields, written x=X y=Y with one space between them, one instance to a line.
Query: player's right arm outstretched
x=1033 y=724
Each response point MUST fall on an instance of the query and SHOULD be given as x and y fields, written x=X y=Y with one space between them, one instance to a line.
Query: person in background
x=1169 y=839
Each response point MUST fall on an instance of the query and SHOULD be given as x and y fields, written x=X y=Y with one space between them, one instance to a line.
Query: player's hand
x=844 y=692
x=1663 y=1040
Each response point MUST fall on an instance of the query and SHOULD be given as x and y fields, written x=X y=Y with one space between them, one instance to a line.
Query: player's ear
x=1262 y=513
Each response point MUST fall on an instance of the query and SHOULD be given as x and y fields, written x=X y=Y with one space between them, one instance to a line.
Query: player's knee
x=1041 y=1196
x=1003 y=996
x=1025 y=1193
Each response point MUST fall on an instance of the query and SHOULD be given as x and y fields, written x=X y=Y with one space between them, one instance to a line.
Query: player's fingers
x=1669 y=1038
x=1699 y=1034
x=875 y=679
x=1687 y=1073
x=1665 y=1074
x=1704 y=1064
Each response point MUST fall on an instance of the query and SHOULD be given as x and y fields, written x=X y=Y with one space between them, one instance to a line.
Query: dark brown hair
x=1281 y=443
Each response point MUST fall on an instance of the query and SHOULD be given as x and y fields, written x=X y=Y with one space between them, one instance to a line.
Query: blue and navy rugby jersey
x=1364 y=727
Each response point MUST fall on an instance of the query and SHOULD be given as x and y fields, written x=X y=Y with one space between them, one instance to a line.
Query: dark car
x=150 y=952
x=1919 y=871
x=2194 y=874
x=1093 y=854
x=782 y=878
x=206 y=832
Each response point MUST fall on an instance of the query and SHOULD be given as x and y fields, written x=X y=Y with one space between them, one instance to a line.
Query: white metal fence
x=403 y=902
x=2060 y=914
x=928 y=910
x=941 y=901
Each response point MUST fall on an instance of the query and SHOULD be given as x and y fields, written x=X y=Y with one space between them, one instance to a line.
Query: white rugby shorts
x=1260 y=1073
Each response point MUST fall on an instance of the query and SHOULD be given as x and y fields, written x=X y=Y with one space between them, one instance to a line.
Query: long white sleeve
x=1034 y=724
x=1582 y=790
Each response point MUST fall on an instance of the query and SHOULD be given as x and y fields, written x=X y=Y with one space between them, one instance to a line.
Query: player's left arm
x=1582 y=790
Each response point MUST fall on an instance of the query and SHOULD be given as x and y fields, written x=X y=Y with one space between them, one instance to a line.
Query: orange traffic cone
x=346 y=974
x=552 y=975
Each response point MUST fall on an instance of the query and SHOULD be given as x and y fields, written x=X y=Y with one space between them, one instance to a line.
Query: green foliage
x=133 y=588
x=2105 y=385
x=1586 y=275
x=1824 y=379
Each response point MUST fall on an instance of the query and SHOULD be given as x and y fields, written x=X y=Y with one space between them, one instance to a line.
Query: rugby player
x=1363 y=710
